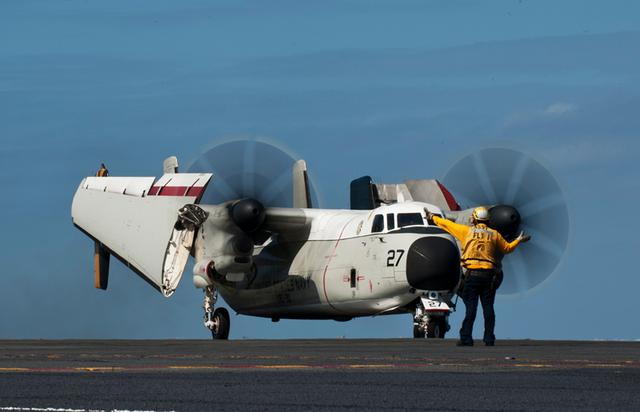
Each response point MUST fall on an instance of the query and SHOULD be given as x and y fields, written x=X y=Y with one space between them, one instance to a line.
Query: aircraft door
x=395 y=263
x=400 y=273
x=384 y=253
x=395 y=254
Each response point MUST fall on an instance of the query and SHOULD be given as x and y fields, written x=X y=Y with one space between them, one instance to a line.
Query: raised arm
x=508 y=247
x=455 y=229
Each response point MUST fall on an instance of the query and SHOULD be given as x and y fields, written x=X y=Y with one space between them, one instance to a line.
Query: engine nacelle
x=224 y=244
x=226 y=269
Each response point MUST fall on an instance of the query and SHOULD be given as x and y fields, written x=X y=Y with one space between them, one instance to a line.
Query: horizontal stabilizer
x=433 y=192
x=366 y=195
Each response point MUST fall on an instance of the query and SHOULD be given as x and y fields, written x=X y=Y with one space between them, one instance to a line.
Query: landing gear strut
x=429 y=326
x=431 y=316
x=217 y=321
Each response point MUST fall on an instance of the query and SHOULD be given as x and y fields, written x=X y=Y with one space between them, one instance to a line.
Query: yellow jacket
x=482 y=247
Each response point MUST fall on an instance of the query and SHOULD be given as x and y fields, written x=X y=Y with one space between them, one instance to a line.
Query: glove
x=524 y=238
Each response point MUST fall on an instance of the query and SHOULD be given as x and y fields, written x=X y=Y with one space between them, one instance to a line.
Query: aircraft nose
x=433 y=263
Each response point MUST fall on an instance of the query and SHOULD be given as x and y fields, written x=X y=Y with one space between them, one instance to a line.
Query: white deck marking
x=16 y=408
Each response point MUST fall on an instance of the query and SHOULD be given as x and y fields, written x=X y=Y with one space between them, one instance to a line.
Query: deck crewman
x=103 y=171
x=482 y=252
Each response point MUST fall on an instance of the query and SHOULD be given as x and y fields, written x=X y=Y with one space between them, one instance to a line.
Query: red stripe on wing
x=195 y=191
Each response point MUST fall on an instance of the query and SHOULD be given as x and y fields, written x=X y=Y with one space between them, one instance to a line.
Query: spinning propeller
x=247 y=169
x=522 y=196
x=254 y=173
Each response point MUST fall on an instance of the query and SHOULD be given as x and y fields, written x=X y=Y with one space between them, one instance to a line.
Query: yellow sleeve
x=506 y=247
x=455 y=229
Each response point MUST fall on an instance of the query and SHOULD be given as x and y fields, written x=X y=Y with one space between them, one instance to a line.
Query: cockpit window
x=378 y=224
x=391 y=221
x=409 y=219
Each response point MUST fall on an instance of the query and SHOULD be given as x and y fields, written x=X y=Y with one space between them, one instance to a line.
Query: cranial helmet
x=480 y=214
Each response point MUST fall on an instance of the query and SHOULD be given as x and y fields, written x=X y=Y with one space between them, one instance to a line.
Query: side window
x=391 y=221
x=410 y=219
x=378 y=224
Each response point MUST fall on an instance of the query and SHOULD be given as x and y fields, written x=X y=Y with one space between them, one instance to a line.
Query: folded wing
x=137 y=221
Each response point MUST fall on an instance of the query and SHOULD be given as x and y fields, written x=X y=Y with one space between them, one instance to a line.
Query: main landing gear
x=218 y=320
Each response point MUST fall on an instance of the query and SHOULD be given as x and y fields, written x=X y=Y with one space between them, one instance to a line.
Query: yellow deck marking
x=283 y=366
x=99 y=369
x=369 y=366
x=193 y=367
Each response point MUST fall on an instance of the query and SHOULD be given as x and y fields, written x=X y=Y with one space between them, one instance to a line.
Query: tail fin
x=170 y=165
x=301 y=192
x=364 y=194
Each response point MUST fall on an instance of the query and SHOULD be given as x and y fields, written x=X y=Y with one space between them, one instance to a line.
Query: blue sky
x=396 y=90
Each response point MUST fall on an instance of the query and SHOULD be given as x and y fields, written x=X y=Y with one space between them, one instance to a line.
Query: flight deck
x=398 y=374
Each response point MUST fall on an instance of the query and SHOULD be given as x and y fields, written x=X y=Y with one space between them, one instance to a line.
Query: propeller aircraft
x=244 y=211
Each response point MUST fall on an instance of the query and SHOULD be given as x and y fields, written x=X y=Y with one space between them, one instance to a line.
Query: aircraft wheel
x=437 y=328
x=417 y=333
x=221 y=324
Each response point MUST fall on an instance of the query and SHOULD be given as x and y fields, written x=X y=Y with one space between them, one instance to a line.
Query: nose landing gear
x=431 y=316
x=431 y=327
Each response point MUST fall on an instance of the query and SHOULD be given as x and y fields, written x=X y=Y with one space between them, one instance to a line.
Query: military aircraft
x=244 y=211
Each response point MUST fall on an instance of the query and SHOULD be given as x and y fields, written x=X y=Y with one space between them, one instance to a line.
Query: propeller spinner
x=522 y=195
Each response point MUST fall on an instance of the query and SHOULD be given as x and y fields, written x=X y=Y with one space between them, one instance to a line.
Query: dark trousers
x=479 y=285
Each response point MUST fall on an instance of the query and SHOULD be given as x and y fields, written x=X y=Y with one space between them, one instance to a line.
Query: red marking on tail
x=451 y=201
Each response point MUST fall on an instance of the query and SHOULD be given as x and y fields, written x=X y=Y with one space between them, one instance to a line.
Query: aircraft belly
x=297 y=306
x=327 y=279
x=287 y=296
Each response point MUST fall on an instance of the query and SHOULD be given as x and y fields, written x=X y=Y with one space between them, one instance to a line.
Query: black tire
x=222 y=324
x=417 y=333
x=437 y=328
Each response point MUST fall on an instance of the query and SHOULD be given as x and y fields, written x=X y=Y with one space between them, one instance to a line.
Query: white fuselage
x=348 y=264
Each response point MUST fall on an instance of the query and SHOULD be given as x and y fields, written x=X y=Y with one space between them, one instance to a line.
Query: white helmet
x=480 y=214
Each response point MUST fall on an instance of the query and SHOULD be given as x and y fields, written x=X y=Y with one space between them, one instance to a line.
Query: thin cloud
x=560 y=108
x=589 y=151
x=553 y=110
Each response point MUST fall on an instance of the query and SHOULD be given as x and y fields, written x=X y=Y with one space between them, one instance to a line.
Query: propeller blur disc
x=247 y=168
x=504 y=176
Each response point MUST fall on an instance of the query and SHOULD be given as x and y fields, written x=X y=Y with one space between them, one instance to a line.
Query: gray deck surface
x=319 y=375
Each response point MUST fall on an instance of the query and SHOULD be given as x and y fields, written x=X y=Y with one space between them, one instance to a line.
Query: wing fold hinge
x=190 y=218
